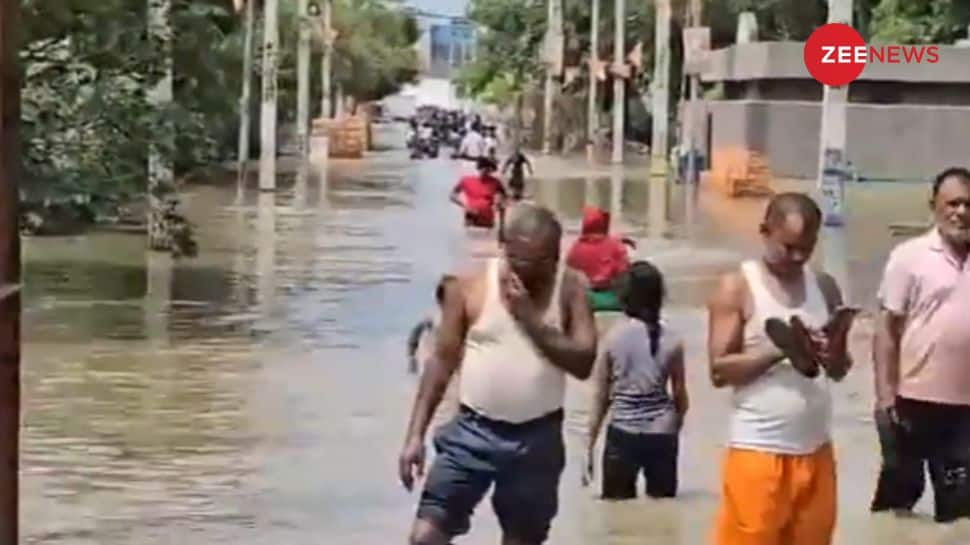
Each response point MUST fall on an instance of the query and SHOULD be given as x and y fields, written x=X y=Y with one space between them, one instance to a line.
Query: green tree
x=88 y=65
x=920 y=21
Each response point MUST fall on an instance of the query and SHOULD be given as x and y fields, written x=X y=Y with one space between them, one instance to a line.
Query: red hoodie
x=595 y=253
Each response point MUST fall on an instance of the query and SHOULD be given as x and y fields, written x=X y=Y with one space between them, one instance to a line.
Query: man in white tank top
x=779 y=473
x=516 y=328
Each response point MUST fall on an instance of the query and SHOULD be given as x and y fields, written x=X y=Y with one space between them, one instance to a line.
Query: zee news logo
x=835 y=54
x=891 y=54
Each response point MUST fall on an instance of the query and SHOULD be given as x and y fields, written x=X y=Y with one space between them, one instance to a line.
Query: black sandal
x=784 y=336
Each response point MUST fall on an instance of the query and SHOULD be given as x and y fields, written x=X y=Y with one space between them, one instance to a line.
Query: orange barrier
x=739 y=172
x=347 y=135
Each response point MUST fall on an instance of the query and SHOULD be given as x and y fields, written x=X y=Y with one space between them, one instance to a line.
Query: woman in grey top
x=640 y=374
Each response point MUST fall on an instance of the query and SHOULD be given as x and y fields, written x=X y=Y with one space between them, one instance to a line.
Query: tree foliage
x=87 y=66
x=920 y=21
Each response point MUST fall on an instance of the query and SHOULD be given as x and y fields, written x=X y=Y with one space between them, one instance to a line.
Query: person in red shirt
x=480 y=196
x=600 y=256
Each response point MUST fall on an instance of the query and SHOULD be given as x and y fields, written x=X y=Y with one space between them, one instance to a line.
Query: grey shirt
x=638 y=380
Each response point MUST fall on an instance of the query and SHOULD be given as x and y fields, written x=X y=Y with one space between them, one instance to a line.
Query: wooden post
x=245 y=97
x=619 y=84
x=661 y=90
x=267 y=122
x=832 y=140
x=592 y=122
x=9 y=273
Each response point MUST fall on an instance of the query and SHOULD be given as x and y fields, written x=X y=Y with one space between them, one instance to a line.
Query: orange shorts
x=777 y=499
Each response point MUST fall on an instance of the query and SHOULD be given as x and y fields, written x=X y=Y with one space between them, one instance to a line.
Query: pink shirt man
x=927 y=284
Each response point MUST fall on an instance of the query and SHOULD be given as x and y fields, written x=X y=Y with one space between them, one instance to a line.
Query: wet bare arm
x=574 y=349
x=601 y=396
x=885 y=355
x=839 y=367
x=730 y=364
x=678 y=382
x=439 y=370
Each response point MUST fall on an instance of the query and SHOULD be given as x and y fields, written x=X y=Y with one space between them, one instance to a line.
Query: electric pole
x=832 y=172
x=619 y=82
x=326 y=103
x=553 y=69
x=246 y=96
x=303 y=80
x=661 y=89
x=267 y=124
x=689 y=118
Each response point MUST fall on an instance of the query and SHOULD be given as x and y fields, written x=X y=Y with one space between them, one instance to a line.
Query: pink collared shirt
x=928 y=285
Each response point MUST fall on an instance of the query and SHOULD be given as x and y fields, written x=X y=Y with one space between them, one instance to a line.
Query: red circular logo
x=835 y=54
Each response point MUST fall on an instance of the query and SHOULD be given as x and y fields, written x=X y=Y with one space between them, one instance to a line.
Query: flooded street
x=258 y=394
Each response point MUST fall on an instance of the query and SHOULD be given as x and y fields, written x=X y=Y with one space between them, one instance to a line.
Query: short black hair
x=783 y=204
x=958 y=172
x=529 y=220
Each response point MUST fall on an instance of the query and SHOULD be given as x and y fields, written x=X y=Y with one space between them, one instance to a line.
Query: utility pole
x=267 y=123
x=9 y=273
x=832 y=172
x=694 y=82
x=161 y=176
x=553 y=68
x=326 y=104
x=661 y=90
x=619 y=83
x=303 y=80
x=592 y=123
x=246 y=96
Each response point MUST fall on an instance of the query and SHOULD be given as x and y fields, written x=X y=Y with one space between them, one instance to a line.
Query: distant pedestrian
x=640 y=375
x=602 y=257
x=482 y=197
x=517 y=163
x=922 y=360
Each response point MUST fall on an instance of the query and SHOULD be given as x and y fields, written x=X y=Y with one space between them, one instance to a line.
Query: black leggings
x=627 y=454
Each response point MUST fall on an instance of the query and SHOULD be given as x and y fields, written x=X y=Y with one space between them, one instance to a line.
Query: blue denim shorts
x=523 y=461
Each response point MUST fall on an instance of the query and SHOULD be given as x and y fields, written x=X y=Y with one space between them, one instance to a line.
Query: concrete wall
x=871 y=92
x=784 y=60
x=897 y=141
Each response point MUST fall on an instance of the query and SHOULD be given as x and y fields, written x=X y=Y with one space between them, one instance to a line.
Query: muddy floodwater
x=257 y=395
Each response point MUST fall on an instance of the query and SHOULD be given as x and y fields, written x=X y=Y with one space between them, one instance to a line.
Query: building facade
x=905 y=121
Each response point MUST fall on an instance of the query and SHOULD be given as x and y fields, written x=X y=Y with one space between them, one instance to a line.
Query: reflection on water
x=258 y=393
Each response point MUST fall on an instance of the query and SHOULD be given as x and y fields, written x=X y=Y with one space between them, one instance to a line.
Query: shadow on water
x=257 y=394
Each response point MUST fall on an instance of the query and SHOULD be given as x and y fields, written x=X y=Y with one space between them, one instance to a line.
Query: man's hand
x=830 y=345
x=411 y=463
x=517 y=298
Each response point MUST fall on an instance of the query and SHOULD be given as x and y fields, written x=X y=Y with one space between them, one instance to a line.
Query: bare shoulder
x=574 y=282
x=468 y=285
x=731 y=292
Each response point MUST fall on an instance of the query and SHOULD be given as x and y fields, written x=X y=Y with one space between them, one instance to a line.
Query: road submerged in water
x=258 y=394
